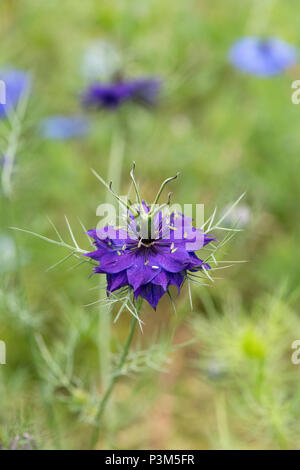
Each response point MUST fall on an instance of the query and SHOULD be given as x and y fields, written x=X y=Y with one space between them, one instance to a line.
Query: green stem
x=222 y=419
x=114 y=172
x=113 y=380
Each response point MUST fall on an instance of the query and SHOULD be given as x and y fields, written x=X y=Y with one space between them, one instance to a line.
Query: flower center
x=264 y=46
x=146 y=242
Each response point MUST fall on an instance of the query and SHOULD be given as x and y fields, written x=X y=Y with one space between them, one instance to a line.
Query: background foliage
x=235 y=385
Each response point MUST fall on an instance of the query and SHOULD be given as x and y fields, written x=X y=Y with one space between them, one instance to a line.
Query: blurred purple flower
x=112 y=95
x=262 y=57
x=149 y=264
x=16 y=83
x=64 y=127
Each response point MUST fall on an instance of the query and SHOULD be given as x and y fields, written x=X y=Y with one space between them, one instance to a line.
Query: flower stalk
x=111 y=385
x=115 y=164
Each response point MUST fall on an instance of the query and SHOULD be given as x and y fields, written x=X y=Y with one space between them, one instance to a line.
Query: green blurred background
x=226 y=133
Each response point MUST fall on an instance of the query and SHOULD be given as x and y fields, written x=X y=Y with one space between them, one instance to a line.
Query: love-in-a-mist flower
x=16 y=82
x=64 y=127
x=112 y=95
x=262 y=57
x=154 y=249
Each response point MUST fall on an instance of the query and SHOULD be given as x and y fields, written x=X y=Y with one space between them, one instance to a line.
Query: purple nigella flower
x=64 y=127
x=148 y=264
x=16 y=82
x=112 y=95
x=262 y=57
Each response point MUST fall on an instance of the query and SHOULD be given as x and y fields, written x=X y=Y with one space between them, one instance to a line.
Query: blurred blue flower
x=16 y=83
x=262 y=57
x=64 y=127
x=112 y=95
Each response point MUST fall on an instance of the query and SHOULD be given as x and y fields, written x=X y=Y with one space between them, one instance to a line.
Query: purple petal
x=141 y=272
x=151 y=293
x=196 y=264
x=175 y=260
x=162 y=279
x=176 y=279
x=114 y=262
x=116 y=281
